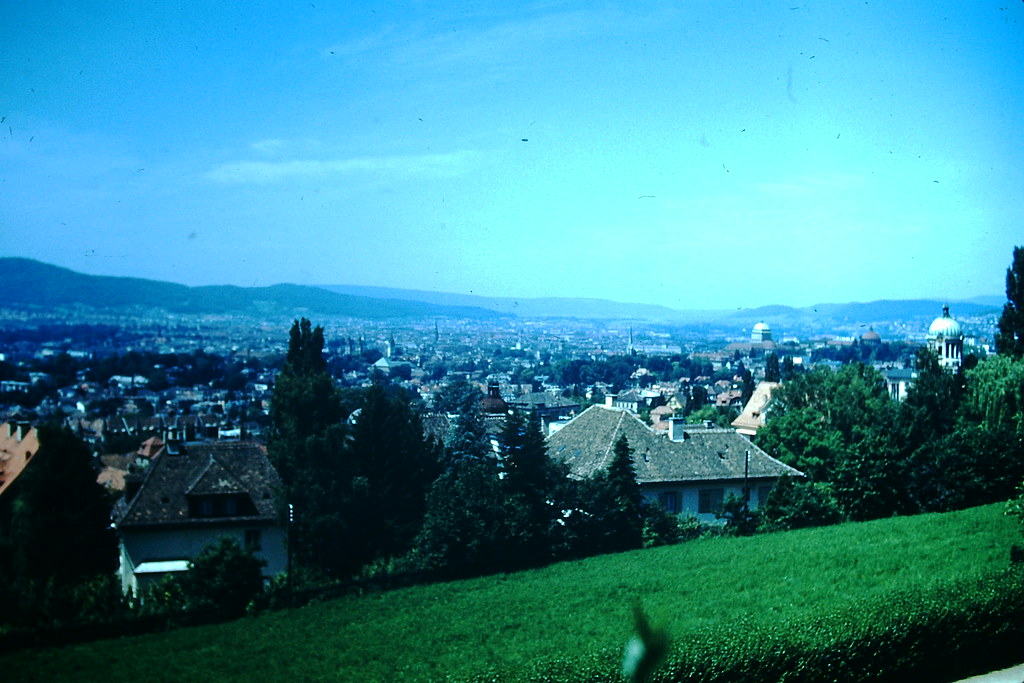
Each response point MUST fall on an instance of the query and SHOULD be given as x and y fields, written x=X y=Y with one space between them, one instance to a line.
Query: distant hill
x=865 y=313
x=548 y=307
x=29 y=283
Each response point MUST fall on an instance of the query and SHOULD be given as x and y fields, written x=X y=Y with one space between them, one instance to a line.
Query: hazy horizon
x=702 y=155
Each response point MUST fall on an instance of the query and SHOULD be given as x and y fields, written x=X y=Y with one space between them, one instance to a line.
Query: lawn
x=573 y=611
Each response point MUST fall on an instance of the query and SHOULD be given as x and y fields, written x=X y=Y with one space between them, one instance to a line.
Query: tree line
x=370 y=492
x=955 y=442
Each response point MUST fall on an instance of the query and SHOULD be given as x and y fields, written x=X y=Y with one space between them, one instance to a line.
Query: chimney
x=676 y=431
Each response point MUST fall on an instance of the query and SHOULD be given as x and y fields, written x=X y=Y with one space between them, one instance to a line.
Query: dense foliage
x=955 y=442
x=1010 y=338
x=57 y=549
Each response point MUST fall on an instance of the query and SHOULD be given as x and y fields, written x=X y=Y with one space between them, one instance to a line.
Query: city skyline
x=695 y=155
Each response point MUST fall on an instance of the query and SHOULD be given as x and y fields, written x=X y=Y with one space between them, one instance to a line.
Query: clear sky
x=696 y=154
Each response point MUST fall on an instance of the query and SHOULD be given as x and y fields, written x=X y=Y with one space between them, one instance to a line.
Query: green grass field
x=575 y=611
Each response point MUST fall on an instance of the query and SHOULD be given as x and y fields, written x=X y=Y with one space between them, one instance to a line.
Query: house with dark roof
x=691 y=469
x=192 y=495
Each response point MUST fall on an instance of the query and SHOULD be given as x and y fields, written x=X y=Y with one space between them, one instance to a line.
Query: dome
x=761 y=333
x=871 y=337
x=945 y=326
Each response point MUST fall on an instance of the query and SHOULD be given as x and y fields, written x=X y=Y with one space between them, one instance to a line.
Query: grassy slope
x=573 y=609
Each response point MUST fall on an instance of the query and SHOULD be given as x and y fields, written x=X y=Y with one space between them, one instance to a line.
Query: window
x=670 y=501
x=231 y=506
x=762 y=494
x=709 y=501
x=206 y=508
x=252 y=539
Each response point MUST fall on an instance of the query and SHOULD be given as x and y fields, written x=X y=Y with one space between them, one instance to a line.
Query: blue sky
x=700 y=154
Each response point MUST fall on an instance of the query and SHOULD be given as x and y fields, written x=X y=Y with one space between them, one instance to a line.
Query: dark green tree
x=465 y=529
x=797 y=503
x=308 y=446
x=55 y=531
x=530 y=482
x=222 y=580
x=1010 y=337
x=788 y=370
x=932 y=404
x=746 y=386
x=772 y=372
x=389 y=450
x=994 y=395
x=626 y=518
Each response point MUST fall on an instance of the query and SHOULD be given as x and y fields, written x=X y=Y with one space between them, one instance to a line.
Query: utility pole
x=291 y=587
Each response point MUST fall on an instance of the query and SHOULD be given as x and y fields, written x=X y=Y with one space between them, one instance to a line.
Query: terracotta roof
x=18 y=443
x=203 y=469
x=587 y=445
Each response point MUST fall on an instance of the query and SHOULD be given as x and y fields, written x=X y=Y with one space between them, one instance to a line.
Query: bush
x=220 y=583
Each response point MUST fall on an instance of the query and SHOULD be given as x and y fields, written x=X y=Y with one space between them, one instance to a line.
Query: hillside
x=823 y=316
x=576 y=613
x=30 y=284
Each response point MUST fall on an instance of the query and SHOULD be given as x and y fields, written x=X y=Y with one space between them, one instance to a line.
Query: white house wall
x=138 y=546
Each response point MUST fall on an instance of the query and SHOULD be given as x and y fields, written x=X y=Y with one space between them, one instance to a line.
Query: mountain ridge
x=30 y=283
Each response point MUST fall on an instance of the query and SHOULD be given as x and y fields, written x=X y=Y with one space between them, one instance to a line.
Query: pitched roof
x=587 y=445
x=18 y=443
x=203 y=469
x=753 y=416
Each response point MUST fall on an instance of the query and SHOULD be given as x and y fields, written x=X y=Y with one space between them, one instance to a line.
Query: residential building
x=191 y=496
x=691 y=470
x=755 y=413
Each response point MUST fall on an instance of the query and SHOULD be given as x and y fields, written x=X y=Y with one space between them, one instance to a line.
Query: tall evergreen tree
x=399 y=463
x=626 y=520
x=772 y=372
x=530 y=479
x=308 y=446
x=1010 y=337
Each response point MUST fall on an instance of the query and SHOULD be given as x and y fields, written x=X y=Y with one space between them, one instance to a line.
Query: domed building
x=946 y=338
x=871 y=338
x=761 y=333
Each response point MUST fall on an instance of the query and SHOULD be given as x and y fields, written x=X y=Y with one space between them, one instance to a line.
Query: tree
x=464 y=529
x=796 y=504
x=222 y=580
x=626 y=523
x=398 y=463
x=1010 y=337
x=55 y=525
x=930 y=409
x=530 y=480
x=308 y=446
x=772 y=372
x=994 y=394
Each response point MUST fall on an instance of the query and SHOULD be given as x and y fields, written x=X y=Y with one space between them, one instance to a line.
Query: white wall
x=150 y=545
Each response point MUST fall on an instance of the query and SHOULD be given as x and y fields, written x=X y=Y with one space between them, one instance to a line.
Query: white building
x=946 y=338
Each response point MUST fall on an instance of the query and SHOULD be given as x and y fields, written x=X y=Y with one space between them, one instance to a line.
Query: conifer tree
x=627 y=520
x=1010 y=338
x=308 y=447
